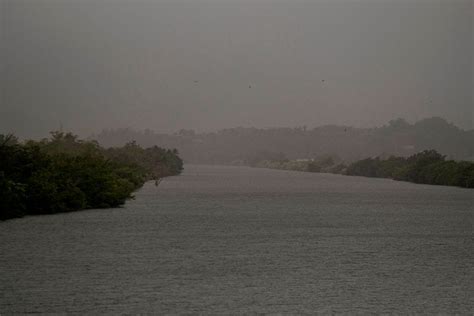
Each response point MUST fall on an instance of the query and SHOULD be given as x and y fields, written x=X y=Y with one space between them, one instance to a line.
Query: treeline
x=237 y=145
x=321 y=164
x=427 y=167
x=64 y=174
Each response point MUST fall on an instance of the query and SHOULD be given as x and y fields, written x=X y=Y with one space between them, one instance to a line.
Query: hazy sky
x=167 y=65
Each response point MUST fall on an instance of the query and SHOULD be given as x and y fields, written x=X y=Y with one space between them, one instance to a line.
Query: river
x=237 y=240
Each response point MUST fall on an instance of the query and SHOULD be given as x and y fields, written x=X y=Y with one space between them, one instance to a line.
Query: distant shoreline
x=427 y=167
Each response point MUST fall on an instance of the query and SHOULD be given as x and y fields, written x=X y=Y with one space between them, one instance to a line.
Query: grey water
x=237 y=240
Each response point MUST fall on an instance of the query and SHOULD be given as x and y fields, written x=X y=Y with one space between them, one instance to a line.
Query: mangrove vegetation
x=64 y=174
x=426 y=167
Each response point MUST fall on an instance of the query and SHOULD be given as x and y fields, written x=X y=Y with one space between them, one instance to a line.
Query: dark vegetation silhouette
x=402 y=151
x=427 y=167
x=64 y=174
x=244 y=146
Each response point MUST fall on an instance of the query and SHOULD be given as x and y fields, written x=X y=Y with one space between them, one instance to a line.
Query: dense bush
x=158 y=162
x=428 y=167
x=64 y=174
x=326 y=163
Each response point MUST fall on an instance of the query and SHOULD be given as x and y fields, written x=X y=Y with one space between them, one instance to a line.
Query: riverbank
x=66 y=174
x=427 y=167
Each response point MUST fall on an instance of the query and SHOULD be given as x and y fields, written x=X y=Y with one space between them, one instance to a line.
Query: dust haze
x=207 y=65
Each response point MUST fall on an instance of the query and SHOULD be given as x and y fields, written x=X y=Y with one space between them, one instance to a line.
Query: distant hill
x=239 y=145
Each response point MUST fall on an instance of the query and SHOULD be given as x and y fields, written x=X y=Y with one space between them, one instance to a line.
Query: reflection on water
x=240 y=240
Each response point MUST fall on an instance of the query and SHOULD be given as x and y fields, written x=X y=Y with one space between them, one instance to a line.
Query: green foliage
x=11 y=196
x=64 y=174
x=376 y=167
x=320 y=164
x=428 y=167
x=155 y=161
x=66 y=143
x=8 y=139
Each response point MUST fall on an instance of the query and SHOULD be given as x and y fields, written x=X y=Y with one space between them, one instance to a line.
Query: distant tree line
x=234 y=146
x=64 y=174
x=427 y=167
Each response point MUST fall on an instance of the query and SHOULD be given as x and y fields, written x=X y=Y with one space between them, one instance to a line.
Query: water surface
x=238 y=240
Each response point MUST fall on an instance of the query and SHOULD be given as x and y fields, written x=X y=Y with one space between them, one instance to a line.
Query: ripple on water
x=240 y=240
